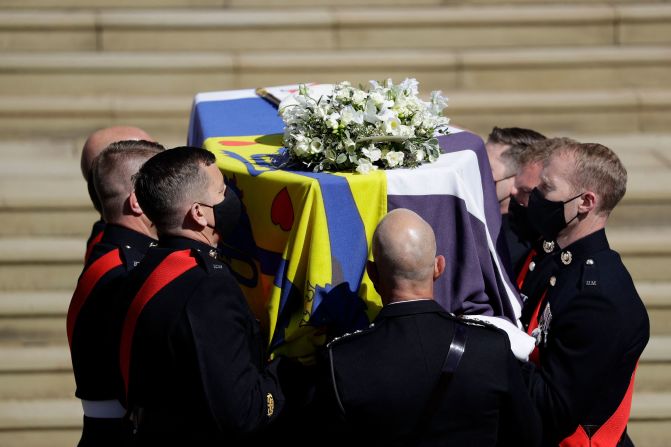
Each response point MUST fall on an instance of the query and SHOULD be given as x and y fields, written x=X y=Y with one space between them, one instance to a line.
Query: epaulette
x=208 y=260
x=349 y=335
x=590 y=275
x=131 y=256
x=473 y=320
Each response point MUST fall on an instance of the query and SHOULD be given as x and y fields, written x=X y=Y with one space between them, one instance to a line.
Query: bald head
x=404 y=249
x=100 y=139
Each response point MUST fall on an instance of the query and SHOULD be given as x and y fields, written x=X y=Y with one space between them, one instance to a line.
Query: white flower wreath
x=386 y=126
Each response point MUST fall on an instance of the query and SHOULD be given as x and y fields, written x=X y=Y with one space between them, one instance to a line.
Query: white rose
x=410 y=87
x=349 y=115
x=377 y=98
x=372 y=152
x=359 y=97
x=301 y=148
x=419 y=155
x=333 y=120
x=365 y=166
x=394 y=158
x=370 y=114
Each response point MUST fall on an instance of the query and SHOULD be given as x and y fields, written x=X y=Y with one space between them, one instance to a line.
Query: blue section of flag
x=341 y=306
x=236 y=117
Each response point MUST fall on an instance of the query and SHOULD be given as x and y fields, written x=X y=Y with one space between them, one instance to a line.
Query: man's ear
x=587 y=202
x=134 y=204
x=197 y=214
x=438 y=267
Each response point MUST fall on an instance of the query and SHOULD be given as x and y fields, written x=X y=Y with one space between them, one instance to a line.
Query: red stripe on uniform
x=173 y=266
x=610 y=433
x=94 y=240
x=525 y=269
x=85 y=285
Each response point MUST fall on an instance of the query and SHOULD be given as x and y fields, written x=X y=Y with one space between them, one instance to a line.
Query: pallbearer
x=92 y=326
x=589 y=322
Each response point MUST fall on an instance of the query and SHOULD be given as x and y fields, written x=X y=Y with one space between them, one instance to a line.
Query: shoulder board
x=130 y=256
x=589 y=280
x=349 y=335
x=473 y=320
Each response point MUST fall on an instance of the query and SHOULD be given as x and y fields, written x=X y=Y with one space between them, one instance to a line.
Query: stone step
x=624 y=111
x=33 y=318
x=395 y=26
x=57 y=422
x=36 y=373
x=115 y=74
x=39 y=372
x=265 y=4
x=55 y=262
x=40 y=263
x=654 y=370
x=645 y=251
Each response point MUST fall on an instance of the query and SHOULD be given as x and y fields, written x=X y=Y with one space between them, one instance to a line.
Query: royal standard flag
x=300 y=251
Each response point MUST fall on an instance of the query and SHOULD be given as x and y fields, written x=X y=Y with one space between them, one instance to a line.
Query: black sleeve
x=520 y=423
x=583 y=350
x=241 y=396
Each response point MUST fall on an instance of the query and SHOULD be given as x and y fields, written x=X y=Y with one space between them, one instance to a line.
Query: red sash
x=173 y=266
x=525 y=269
x=610 y=433
x=94 y=240
x=85 y=285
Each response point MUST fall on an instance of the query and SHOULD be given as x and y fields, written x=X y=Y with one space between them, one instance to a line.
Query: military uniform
x=383 y=377
x=592 y=329
x=517 y=246
x=534 y=274
x=192 y=352
x=93 y=330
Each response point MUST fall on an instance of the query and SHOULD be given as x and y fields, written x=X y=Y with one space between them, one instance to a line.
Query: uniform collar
x=584 y=247
x=409 y=308
x=207 y=253
x=120 y=235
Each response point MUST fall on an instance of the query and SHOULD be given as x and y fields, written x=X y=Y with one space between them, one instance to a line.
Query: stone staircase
x=591 y=70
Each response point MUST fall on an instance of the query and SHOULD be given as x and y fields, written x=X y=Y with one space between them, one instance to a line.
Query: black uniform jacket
x=384 y=376
x=97 y=230
x=591 y=337
x=541 y=267
x=198 y=371
x=94 y=347
x=518 y=248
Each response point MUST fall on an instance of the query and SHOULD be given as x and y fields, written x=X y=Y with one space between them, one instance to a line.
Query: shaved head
x=100 y=139
x=112 y=174
x=404 y=249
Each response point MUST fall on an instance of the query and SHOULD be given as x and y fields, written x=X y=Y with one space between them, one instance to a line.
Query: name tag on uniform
x=217 y=266
x=590 y=283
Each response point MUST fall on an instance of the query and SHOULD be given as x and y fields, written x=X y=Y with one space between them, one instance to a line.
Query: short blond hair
x=598 y=169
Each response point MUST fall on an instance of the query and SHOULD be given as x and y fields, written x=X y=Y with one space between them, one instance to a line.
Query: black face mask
x=226 y=213
x=519 y=221
x=546 y=216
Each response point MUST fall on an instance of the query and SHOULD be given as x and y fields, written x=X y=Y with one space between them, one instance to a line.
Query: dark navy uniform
x=592 y=329
x=93 y=330
x=518 y=247
x=197 y=373
x=383 y=377
x=534 y=274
